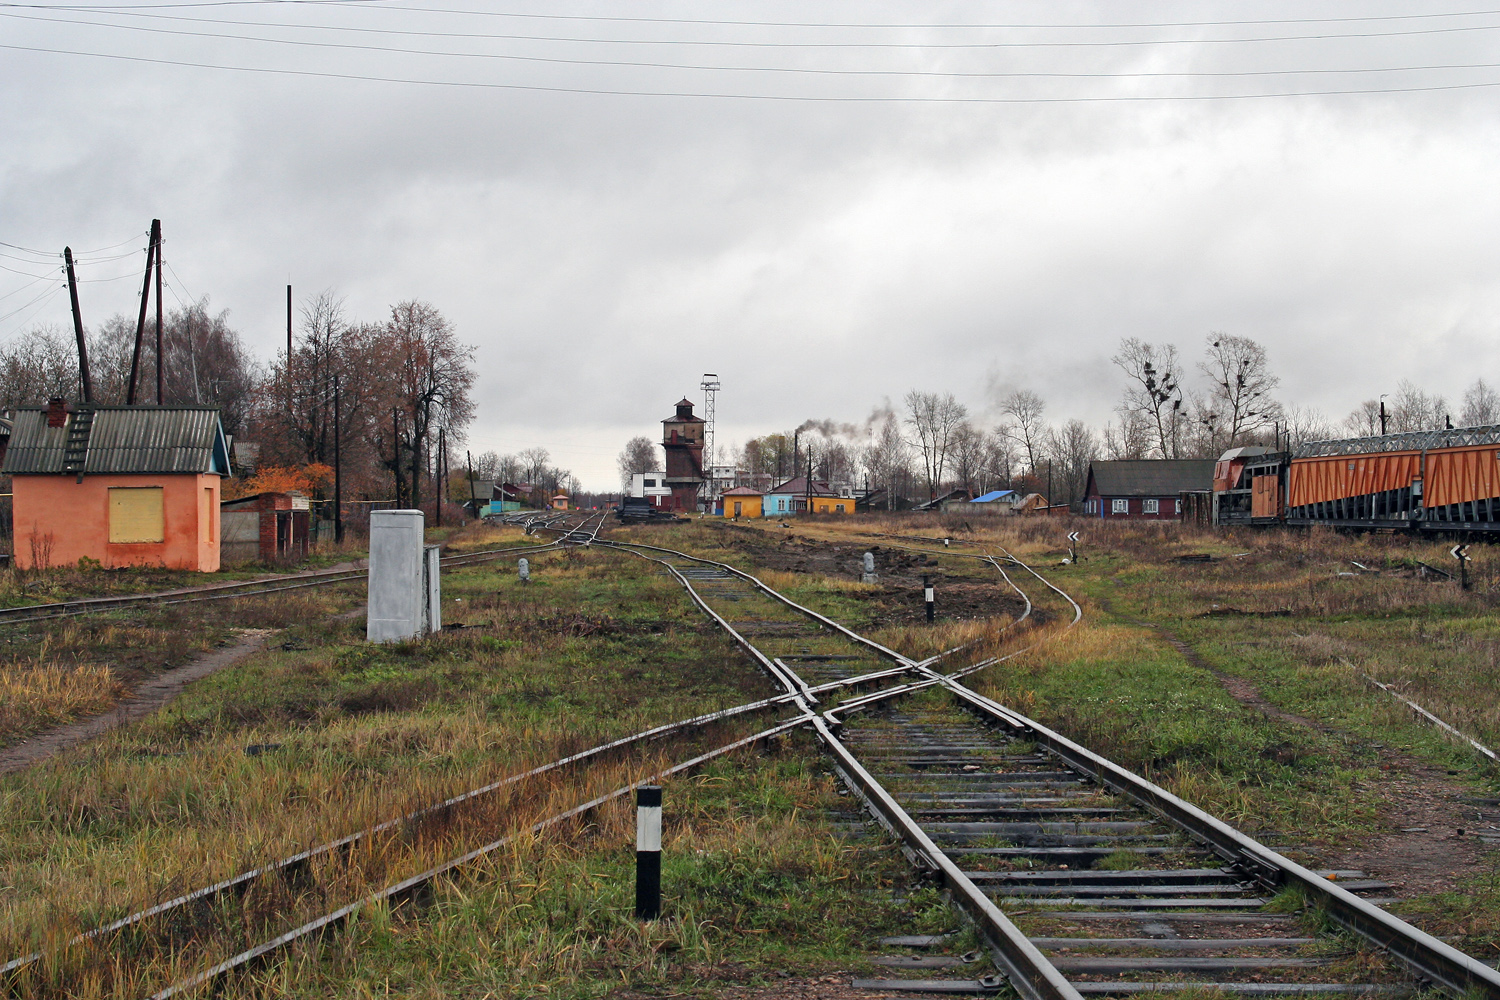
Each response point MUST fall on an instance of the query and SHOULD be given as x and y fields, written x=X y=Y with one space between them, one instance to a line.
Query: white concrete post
x=432 y=579
x=396 y=591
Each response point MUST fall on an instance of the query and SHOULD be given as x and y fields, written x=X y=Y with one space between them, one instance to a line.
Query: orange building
x=122 y=485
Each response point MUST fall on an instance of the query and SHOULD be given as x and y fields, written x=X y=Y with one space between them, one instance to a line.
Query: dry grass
x=48 y=694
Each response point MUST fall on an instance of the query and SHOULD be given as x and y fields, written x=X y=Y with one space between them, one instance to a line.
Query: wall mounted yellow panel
x=136 y=514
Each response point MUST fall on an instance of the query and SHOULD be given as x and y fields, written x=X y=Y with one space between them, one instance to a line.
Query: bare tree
x=433 y=376
x=887 y=458
x=638 y=455
x=534 y=463
x=970 y=452
x=1364 y=420
x=1413 y=409
x=1025 y=410
x=1481 y=405
x=37 y=366
x=1070 y=449
x=999 y=462
x=1154 y=389
x=1242 y=384
x=933 y=418
x=1303 y=424
x=1131 y=439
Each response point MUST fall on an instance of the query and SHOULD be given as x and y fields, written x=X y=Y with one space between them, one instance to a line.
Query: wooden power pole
x=140 y=323
x=83 y=347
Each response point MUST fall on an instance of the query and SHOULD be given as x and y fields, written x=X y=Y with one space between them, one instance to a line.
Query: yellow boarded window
x=135 y=514
x=206 y=515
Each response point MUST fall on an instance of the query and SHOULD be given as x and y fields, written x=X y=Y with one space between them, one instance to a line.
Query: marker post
x=927 y=595
x=648 y=852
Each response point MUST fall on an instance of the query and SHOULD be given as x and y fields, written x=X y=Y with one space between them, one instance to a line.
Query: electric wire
x=27 y=274
x=40 y=305
x=794 y=98
x=742 y=43
x=789 y=70
x=22 y=288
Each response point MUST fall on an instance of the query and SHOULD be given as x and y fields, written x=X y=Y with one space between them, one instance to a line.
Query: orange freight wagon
x=122 y=485
x=1448 y=479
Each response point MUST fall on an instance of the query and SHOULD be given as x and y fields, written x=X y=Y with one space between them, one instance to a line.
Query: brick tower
x=682 y=440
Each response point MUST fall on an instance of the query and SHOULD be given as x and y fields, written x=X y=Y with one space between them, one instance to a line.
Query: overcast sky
x=849 y=218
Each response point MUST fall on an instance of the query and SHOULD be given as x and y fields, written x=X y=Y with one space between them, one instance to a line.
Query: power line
x=740 y=43
x=25 y=274
x=789 y=70
x=842 y=24
x=797 y=98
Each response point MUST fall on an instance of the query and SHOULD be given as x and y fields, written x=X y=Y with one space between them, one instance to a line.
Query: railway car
x=1423 y=481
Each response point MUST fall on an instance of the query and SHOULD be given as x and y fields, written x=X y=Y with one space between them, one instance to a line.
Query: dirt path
x=1423 y=843
x=147 y=698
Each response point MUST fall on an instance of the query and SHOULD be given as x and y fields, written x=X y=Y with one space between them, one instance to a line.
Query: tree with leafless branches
x=1154 y=389
x=1025 y=424
x=933 y=419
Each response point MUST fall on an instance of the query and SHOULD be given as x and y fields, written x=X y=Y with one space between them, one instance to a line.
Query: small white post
x=648 y=852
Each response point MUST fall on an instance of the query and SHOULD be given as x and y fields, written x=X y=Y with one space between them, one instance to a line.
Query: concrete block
x=397 y=589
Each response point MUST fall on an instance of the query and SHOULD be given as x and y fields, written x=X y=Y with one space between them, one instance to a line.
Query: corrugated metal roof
x=992 y=496
x=1151 y=477
x=123 y=440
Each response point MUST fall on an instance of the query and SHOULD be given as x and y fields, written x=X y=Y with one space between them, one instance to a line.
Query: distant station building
x=123 y=485
x=682 y=440
x=651 y=486
x=1144 y=489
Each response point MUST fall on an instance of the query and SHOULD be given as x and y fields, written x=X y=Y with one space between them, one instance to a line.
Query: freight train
x=1431 y=482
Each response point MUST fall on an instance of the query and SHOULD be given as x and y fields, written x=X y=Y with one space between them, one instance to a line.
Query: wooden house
x=122 y=485
x=1145 y=489
x=799 y=496
x=742 y=501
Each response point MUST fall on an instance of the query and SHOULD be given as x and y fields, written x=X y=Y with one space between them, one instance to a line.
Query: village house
x=797 y=496
x=121 y=485
x=742 y=501
x=1144 y=489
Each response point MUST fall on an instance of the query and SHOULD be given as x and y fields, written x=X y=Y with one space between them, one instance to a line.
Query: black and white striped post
x=648 y=852
x=927 y=595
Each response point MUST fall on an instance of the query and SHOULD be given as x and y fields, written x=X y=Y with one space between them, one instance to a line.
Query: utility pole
x=288 y=335
x=1382 y=416
x=472 y=498
x=83 y=347
x=437 y=504
x=396 y=451
x=140 y=323
x=338 y=466
x=160 y=358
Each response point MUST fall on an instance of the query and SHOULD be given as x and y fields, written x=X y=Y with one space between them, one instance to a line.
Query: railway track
x=1121 y=886
x=580 y=534
x=1081 y=877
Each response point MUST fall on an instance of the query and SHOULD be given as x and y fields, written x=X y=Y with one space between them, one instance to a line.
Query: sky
x=827 y=204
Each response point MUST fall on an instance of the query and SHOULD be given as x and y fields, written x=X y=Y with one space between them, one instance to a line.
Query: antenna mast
x=710 y=387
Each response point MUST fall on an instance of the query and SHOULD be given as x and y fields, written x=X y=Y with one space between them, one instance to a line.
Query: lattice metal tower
x=710 y=387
